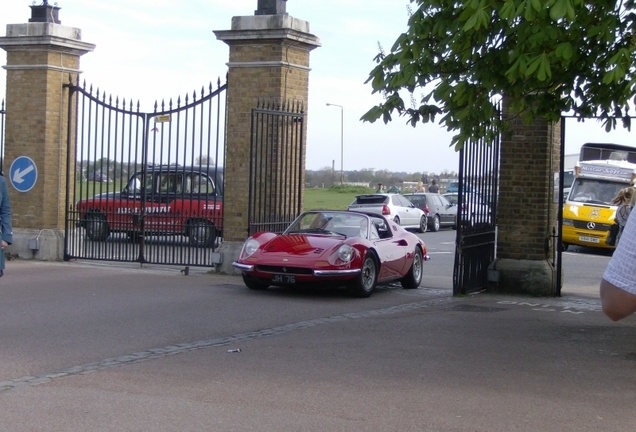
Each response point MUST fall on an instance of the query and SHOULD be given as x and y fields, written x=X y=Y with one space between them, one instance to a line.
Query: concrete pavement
x=418 y=360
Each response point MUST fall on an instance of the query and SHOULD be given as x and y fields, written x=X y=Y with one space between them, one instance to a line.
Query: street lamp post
x=341 y=141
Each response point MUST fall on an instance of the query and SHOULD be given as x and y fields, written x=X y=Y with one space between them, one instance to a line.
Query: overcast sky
x=150 y=50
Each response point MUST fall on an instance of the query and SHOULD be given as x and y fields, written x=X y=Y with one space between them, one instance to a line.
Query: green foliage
x=547 y=57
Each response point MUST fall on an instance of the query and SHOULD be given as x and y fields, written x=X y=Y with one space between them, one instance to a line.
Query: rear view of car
x=394 y=207
x=439 y=211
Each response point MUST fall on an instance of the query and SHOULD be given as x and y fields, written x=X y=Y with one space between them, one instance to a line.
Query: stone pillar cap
x=268 y=27
x=43 y=33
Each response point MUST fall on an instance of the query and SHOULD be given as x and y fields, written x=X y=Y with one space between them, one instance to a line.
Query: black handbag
x=613 y=233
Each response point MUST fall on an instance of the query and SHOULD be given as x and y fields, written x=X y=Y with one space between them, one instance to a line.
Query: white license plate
x=589 y=239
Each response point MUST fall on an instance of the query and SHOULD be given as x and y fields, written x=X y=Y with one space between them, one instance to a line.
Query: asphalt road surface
x=105 y=347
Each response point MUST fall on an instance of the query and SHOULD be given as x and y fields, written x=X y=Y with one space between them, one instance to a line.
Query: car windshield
x=452 y=198
x=330 y=223
x=417 y=199
x=594 y=191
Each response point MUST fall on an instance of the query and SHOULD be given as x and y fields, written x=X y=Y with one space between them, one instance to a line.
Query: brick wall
x=36 y=127
x=267 y=80
x=527 y=206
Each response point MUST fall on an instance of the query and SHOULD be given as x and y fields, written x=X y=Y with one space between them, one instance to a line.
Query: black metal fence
x=276 y=166
x=145 y=187
x=477 y=214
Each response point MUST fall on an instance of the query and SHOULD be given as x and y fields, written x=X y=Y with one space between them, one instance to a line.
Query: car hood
x=302 y=245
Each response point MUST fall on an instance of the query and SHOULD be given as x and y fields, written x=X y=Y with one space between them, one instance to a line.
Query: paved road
x=111 y=348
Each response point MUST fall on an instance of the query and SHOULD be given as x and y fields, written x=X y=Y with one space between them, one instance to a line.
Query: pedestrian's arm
x=617 y=303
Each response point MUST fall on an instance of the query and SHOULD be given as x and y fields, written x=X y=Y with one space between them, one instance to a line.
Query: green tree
x=546 y=57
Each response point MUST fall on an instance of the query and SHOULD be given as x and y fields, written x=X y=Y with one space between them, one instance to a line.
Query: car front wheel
x=364 y=284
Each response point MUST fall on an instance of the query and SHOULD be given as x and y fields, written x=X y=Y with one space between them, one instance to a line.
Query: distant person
x=433 y=188
x=618 y=286
x=623 y=200
x=420 y=187
x=380 y=187
x=5 y=220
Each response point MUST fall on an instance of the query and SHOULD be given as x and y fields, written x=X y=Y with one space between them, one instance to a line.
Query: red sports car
x=359 y=250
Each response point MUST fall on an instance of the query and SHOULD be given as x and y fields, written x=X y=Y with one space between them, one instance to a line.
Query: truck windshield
x=594 y=191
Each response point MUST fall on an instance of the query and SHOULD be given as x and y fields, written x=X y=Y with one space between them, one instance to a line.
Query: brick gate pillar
x=40 y=57
x=527 y=211
x=269 y=59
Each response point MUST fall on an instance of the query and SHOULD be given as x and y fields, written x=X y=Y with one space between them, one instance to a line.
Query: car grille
x=597 y=226
x=285 y=269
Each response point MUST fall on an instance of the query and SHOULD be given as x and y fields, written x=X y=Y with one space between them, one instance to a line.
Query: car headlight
x=345 y=253
x=250 y=247
x=569 y=222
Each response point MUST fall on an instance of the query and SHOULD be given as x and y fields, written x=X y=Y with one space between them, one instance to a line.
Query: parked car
x=439 y=211
x=175 y=200
x=334 y=248
x=453 y=187
x=393 y=206
x=97 y=177
x=474 y=210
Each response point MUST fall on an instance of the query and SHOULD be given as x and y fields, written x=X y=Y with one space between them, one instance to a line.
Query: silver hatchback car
x=392 y=206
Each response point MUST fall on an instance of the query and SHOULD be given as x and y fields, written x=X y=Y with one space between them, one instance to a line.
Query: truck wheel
x=201 y=234
x=96 y=227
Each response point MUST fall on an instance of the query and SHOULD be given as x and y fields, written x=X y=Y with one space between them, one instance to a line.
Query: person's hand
x=4 y=244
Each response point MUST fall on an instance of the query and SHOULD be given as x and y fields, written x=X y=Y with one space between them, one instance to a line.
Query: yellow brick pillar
x=41 y=55
x=269 y=59
x=527 y=208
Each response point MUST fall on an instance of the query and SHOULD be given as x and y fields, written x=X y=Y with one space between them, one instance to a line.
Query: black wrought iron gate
x=145 y=187
x=477 y=213
x=276 y=166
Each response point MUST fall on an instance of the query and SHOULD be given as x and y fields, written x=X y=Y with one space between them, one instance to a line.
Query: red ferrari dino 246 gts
x=338 y=248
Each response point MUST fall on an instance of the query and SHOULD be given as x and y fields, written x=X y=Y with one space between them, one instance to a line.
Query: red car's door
x=391 y=250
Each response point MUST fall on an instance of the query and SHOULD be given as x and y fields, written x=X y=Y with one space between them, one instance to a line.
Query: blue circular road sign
x=23 y=174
